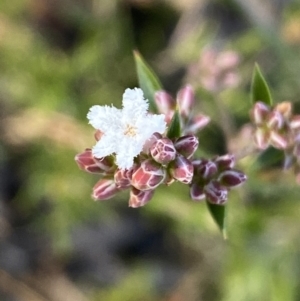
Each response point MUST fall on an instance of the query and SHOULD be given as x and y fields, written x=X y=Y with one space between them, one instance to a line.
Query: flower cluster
x=134 y=152
x=213 y=179
x=185 y=100
x=217 y=70
x=278 y=127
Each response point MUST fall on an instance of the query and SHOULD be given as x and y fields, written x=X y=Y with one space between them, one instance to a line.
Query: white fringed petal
x=125 y=130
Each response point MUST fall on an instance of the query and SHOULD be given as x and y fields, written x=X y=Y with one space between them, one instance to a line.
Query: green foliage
x=174 y=127
x=218 y=213
x=148 y=80
x=259 y=88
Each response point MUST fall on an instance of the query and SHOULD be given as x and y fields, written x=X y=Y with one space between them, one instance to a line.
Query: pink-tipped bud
x=182 y=169
x=86 y=161
x=225 y=162
x=294 y=123
x=284 y=108
x=260 y=112
x=197 y=192
x=278 y=141
x=139 y=198
x=187 y=145
x=227 y=60
x=122 y=178
x=163 y=151
x=232 y=178
x=164 y=101
x=196 y=124
x=150 y=141
x=231 y=80
x=261 y=138
x=275 y=120
x=215 y=193
x=104 y=190
x=148 y=175
x=205 y=169
x=185 y=100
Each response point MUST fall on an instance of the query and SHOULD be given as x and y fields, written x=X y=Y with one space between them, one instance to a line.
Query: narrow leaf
x=218 y=213
x=259 y=88
x=174 y=130
x=148 y=80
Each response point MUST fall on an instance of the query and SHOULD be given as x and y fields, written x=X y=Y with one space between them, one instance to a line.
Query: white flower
x=125 y=131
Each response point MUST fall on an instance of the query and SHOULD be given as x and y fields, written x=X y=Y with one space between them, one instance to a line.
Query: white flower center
x=130 y=130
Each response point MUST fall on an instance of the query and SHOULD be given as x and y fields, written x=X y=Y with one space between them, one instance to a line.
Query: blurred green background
x=60 y=57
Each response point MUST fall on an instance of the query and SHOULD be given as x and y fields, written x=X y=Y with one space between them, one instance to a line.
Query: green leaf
x=270 y=158
x=148 y=80
x=259 y=88
x=174 y=130
x=218 y=213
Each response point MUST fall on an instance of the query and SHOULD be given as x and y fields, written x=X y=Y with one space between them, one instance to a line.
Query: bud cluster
x=185 y=100
x=162 y=160
x=217 y=70
x=213 y=179
x=278 y=127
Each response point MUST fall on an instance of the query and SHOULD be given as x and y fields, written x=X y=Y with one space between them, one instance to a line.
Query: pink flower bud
x=231 y=80
x=139 y=198
x=163 y=151
x=275 y=120
x=185 y=100
x=150 y=141
x=261 y=138
x=197 y=192
x=148 y=175
x=225 y=162
x=295 y=122
x=232 y=178
x=215 y=193
x=187 y=145
x=164 y=101
x=104 y=190
x=205 y=169
x=284 y=108
x=86 y=161
x=260 y=112
x=197 y=123
x=227 y=60
x=182 y=169
x=278 y=141
x=122 y=178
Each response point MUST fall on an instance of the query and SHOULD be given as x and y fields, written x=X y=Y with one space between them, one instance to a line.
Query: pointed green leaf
x=218 y=213
x=259 y=88
x=148 y=80
x=174 y=130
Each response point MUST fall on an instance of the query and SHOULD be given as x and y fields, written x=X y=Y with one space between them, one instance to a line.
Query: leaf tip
x=136 y=53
